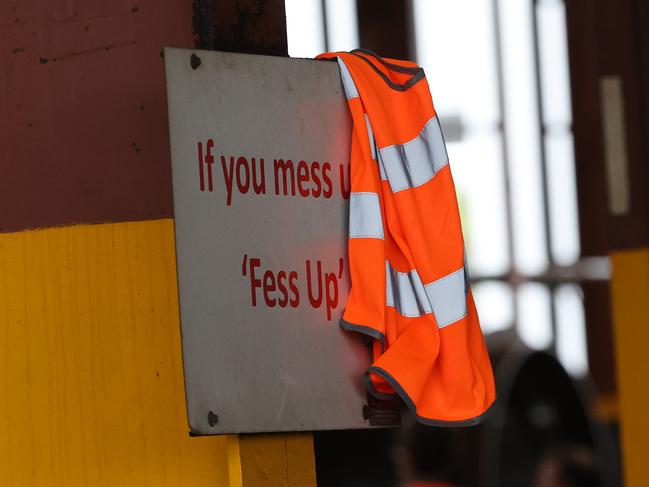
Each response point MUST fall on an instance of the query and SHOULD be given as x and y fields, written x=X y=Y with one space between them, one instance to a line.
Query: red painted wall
x=83 y=116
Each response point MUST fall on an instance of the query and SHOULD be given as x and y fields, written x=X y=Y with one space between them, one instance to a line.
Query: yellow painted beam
x=279 y=460
x=235 y=476
x=630 y=300
x=91 y=370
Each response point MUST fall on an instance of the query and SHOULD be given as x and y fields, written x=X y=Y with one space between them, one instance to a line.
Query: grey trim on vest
x=365 y=330
x=411 y=405
x=417 y=73
x=372 y=390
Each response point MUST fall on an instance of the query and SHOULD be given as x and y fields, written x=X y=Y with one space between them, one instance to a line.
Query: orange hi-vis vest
x=409 y=280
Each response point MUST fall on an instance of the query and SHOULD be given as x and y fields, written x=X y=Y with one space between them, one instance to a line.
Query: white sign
x=260 y=156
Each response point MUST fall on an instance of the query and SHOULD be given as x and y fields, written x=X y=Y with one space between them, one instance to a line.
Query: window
x=498 y=72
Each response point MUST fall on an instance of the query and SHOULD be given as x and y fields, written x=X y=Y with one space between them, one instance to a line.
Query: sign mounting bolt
x=194 y=61
x=212 y=419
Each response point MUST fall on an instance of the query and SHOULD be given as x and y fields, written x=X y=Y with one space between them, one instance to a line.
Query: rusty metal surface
x=84 y=133
x=250 y=26
x=204 y=24
x=386 y=27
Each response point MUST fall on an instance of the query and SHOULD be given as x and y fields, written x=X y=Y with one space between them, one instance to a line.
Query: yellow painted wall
x=90 y=362
x=630 y=300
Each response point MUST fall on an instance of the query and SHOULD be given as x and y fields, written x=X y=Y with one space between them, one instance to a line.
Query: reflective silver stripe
x=365 y=216
x=467 y=276
x=348 y=82
x=448 y=298
x=414 y=163
x=382 y=173
x=405 y=292
x=370 y=136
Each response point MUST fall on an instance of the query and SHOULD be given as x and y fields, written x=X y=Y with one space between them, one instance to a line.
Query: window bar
x=325 y=27
x=544 y=167
x=511 y=278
